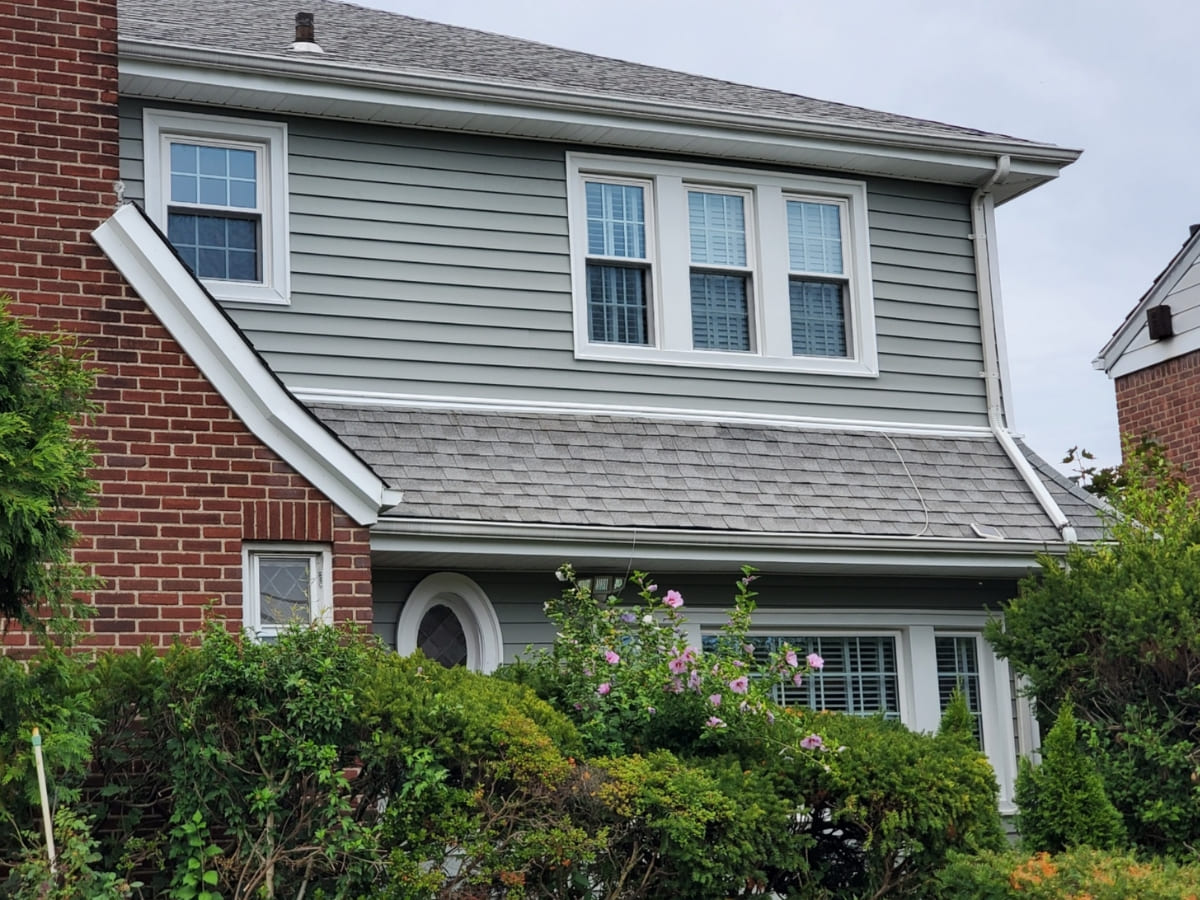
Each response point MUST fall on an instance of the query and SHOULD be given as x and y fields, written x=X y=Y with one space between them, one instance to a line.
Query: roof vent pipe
x=306 y=40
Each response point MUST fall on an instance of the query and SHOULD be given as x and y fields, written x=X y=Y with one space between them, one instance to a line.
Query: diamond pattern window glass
x=284 y=587
x=441 y=637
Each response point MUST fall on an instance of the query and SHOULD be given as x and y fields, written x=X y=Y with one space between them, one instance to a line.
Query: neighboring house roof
x=394 y=55
x=609 y=472
x=1177 y=286
x=222 y=353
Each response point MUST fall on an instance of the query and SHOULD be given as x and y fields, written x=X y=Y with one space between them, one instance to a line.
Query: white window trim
x=270 y=138
x=467 y=600
x=320 y=590
x=670 y=304
x=916 y=663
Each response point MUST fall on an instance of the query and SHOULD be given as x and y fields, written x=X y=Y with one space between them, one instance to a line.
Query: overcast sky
x=1119 y=80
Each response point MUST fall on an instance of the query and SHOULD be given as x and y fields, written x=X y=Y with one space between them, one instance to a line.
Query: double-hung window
x=216 y=186
x=958 y=669
x=689 y=264
x=618 y=263
x=285 y=585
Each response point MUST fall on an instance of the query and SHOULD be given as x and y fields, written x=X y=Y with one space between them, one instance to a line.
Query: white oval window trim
x=463 y=597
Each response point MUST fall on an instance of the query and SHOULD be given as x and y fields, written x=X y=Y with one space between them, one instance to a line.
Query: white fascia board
x=235 y=370
x=1111 y=358
x=322 y=88
x=428 y=542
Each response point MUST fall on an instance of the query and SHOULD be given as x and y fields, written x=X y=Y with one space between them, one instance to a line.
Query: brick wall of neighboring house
x=183 y=482
x=1163 y=402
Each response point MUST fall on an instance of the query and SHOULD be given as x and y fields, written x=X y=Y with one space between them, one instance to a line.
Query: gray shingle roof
x=624 y=472
x=387 y=42
x=1083 y=509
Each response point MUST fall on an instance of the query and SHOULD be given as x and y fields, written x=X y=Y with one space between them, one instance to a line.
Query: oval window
x=441 y=637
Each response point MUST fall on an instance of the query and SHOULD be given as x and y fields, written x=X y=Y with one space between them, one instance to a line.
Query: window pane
x=818 y=313
x=284 y=585
x=814 y=237
x=214 y=176
x=859 y=676
x=717 y=223
x=616 y=220
x=616 y=304
x=958 y=667
x=440 y=637
x=720 y=315
x=216 y=247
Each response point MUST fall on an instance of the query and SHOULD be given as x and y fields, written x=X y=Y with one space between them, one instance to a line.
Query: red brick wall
x=183 y=482
x=1163 y=402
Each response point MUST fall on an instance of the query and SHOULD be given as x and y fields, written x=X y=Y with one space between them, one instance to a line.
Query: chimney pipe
x=306 y=40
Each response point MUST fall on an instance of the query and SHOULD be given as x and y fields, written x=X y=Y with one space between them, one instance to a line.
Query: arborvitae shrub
x=1062 y=801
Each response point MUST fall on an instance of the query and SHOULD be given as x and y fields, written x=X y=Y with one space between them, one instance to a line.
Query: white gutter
x=330 y=71
x=983 y=235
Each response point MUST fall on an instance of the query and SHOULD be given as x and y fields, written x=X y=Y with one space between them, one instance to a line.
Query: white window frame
x=467 y=600
x=320 y=560
x=916 y=662
x=767 y=256
x=269 y=140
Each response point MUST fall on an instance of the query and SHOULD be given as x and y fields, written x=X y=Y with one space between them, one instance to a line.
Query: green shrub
x=1062 y=801
x=52 y=692
x=1083 y=873
x=1116 y=626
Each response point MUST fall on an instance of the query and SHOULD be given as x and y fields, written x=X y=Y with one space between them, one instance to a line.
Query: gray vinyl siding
x=435 y=264
x=518 y=598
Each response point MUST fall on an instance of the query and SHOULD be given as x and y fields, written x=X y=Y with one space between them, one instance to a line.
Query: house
x=392 y=318
x=1154 y=361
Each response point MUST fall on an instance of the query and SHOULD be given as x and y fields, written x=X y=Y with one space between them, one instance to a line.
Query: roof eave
x=431 y=543
x=1109 y=359
x=324 y=88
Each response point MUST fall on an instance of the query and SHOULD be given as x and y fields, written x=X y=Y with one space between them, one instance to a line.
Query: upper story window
x=217 y=187
x=702 y=265
x=283 y=585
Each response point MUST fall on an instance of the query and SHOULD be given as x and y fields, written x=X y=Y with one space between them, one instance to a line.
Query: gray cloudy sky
x=1120 y=81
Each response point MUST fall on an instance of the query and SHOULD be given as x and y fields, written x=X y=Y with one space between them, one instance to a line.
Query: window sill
x=718 y=359
x=245 y=292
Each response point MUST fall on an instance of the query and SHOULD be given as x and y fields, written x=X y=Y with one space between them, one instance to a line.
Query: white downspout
x=984 y=239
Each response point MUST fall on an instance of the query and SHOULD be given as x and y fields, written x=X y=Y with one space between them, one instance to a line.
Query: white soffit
x=141 y=254
x=328 y=90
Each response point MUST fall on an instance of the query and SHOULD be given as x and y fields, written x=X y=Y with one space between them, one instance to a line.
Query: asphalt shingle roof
x=381 y=41
x=625 y=472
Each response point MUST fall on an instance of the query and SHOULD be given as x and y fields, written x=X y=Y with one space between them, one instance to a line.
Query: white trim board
x=235 y=370
x=1116 y=357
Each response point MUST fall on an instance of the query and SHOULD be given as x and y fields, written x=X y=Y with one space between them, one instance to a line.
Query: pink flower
x=673 y=599
x=812 y=742
x=694 y=680
x=815 y=661
x=651 y=710
x=714 y=699
x=740 y=685
x=749 y=648
x=714 y=722
x=652 y=588
x=604 y=689
x=791 y=659
x=677 y=666
x=676 y=686
x=611 y=657
x=798 y=679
